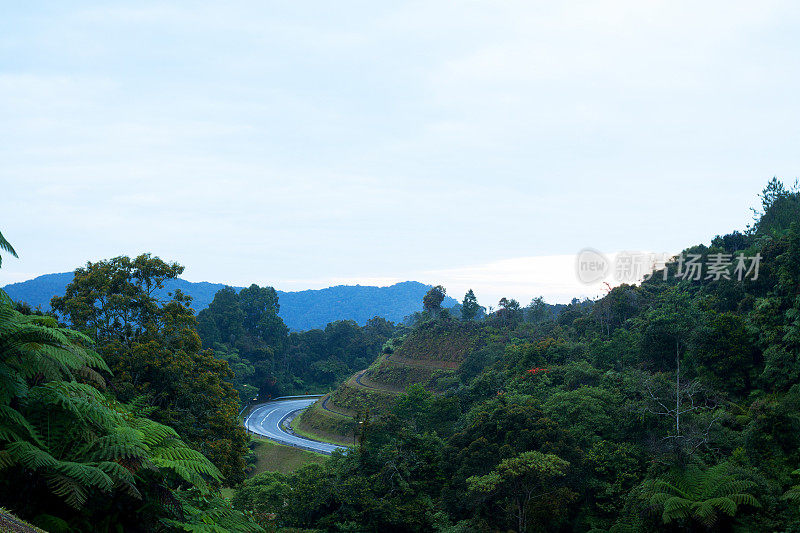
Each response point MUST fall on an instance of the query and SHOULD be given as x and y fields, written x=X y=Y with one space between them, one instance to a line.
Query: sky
x=308 y=144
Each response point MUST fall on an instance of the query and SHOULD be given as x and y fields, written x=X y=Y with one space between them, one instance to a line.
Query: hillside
x=301 y=310
x=429 y=355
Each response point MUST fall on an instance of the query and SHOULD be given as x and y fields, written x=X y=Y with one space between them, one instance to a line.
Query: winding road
x=266 y=419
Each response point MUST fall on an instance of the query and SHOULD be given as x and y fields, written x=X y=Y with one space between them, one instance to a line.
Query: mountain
x=300 y=310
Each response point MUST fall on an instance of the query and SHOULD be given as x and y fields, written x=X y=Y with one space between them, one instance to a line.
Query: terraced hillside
x=429 y=355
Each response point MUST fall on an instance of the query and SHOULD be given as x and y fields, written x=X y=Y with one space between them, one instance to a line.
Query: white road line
x=265 y=420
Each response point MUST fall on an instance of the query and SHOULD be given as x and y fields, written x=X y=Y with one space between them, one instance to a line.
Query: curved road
x=265 y=420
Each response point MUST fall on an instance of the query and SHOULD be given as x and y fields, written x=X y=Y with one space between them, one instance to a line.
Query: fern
x=699 y=495
x=214 y=515
x=83 y=444
x=793 y=494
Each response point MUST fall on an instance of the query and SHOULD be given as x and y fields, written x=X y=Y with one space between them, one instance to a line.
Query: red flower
x=536 y=370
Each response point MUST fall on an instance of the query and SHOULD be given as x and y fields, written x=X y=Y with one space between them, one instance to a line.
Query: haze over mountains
x=300 y=310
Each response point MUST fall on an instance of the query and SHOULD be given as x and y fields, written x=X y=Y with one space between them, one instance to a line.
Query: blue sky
x=304 y=144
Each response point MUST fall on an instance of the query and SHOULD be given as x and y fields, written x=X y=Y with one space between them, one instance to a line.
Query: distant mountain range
x=300 y=310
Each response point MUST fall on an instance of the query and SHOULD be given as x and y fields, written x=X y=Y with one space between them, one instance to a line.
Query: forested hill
x=300 y=310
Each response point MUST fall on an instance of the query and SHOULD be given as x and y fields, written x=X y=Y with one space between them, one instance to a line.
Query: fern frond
x=87 y=473
x=6 y=246
x=71 y=491
x=29 y=456
x=5 y=300
x=10 y=416
x=793 y=494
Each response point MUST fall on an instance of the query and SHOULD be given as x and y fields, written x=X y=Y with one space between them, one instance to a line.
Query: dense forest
x=669 y=405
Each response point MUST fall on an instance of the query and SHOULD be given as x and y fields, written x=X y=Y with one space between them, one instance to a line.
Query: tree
x=538 y=311
x=509 y=311
x=432 y=301
x=701 y=496
x=114 y=301
x=779 y=208
x=265 y=494
x=590 y=413
x=469 y=306
x=691 y=410
x=521 y=479
x=247 y=322
x=260 y=308
x=222 y=321
x=497 y=429
x=724 y=352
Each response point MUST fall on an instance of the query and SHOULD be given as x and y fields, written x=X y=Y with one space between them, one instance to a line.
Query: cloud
x=364 y=141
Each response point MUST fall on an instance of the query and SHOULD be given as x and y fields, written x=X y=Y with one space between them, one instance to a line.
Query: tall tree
x=520 y=480
x=260 y=308
x=432 y=301
x=222 y=320
x=469 y=306
x=537 y=311
x=509 y=311
x=779 y=208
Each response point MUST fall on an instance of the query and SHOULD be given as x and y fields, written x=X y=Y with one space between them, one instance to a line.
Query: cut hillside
x=429 y=355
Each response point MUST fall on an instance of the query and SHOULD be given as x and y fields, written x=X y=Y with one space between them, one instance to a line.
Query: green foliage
x=245 y=329
x=155 y=353
x=779 y=208
x=525 y=477
x=593 y=416
x=6 y=247
x=68 y=451
x=432 y=301
x=705 y=496
x=265 y=495
x=211 y=514
x=439 y=341
x=591 y=413
x=538 y=311
x=508 y=312
x=469 y=306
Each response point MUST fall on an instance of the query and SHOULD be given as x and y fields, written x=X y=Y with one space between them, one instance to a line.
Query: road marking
x=266 y=419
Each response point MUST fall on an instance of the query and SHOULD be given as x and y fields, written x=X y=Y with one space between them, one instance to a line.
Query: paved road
x=266 y=419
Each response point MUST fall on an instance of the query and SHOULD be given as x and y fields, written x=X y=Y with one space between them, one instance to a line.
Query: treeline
x=669 y=406
x=245 y=330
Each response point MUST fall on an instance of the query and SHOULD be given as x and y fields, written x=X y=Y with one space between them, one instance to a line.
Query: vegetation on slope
x=270 y=456
x=75 y=458
x=671 y=405
x=667 y=406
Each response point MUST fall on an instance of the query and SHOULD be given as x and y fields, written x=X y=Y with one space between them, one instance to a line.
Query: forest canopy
x=672 y=404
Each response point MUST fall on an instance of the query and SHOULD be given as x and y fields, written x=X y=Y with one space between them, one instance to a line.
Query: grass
x=440 y=341
x=398 y=375
x=354 y=397
x=318 y=424
x=274 y=457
